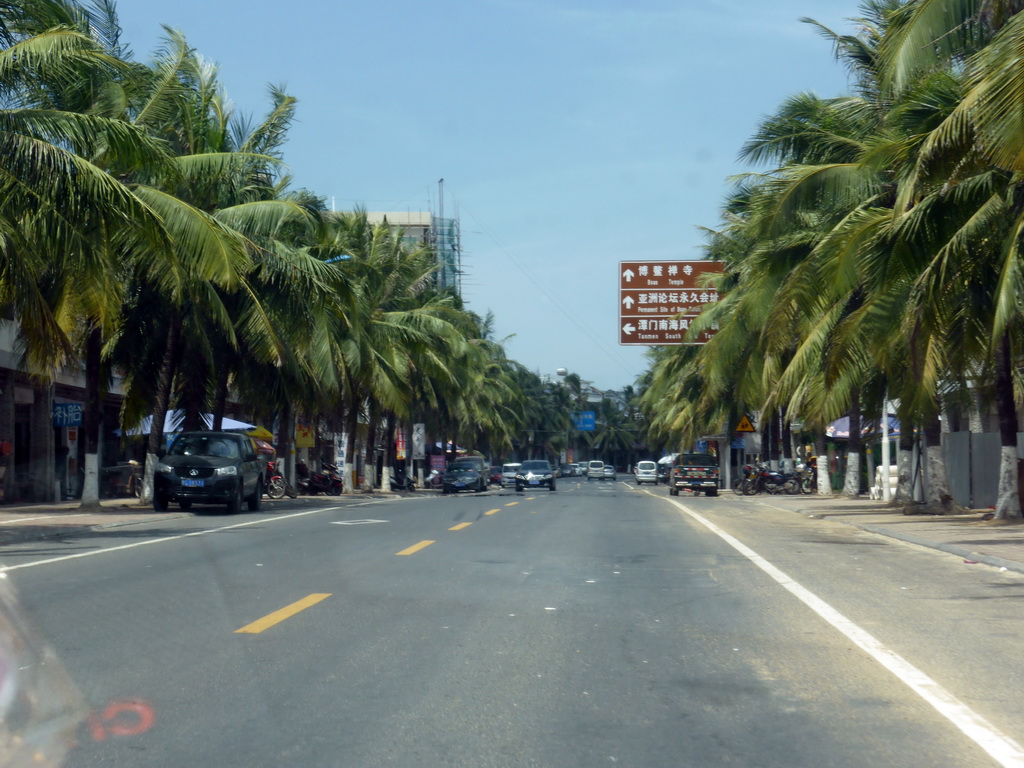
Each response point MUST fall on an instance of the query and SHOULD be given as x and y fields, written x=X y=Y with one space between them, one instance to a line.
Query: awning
x=172 y=423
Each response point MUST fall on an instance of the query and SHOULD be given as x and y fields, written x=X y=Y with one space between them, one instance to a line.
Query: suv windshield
x=528 y=466
x=200 y=445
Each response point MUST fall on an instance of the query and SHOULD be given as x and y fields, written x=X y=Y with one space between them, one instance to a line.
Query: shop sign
x=67 y=414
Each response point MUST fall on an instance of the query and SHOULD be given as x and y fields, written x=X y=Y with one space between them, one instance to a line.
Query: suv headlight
x=232 y=470
x=164 y=469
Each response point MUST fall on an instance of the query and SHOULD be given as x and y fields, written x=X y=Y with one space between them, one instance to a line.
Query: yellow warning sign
x=745 y=425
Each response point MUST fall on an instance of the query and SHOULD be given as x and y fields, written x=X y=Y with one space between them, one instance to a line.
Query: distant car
x=567 y=470
x=535 y=473
x=210 y=468
x=508 y=473
x=609 y=472
x=465 y=474
x=646 y=472
x=595 y=470
x=495 y=477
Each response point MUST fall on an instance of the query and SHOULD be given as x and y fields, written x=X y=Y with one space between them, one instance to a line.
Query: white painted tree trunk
x=91 y=482
x=938 y=482
x=851 y=485
x=350 y=478
x=977 y=424
x=148 y=472
x=904 y=478
x=1008 y=502
x=385 y=477
x=824 y=483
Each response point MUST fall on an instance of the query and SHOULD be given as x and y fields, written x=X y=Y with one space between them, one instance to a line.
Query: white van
x=595 y=469
x=646 y=472
x=508 y=474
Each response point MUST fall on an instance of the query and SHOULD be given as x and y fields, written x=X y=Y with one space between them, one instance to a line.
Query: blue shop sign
x=67 y=414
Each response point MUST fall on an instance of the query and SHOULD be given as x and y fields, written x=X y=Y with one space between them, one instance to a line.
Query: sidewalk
x=966 y=536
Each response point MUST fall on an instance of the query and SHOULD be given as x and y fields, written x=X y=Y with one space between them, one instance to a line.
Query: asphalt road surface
x=602 y=624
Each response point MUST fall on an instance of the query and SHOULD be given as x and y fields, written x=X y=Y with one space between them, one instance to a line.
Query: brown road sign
x=659 y=299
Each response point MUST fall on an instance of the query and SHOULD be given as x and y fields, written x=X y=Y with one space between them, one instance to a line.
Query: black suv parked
x=209 y=468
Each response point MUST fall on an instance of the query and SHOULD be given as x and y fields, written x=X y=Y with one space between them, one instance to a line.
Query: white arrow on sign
x=628 y=329
x=628 y=301
x=628 y=274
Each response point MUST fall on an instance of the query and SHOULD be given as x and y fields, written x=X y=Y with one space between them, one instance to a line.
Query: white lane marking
x=357 y=522
x=1002 y=748
x=91 y=553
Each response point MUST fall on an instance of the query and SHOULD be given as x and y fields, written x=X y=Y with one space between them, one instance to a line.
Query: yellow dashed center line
x=415 y=548
x=492 y=511
x=285 y=613
x=511 y=503
x=460 y=526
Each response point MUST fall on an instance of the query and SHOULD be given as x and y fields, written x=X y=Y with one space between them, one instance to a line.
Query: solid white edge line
x=1002 y=748
x=91 y=553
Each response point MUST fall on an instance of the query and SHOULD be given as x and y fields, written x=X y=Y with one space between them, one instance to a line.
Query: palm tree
x=58 y=73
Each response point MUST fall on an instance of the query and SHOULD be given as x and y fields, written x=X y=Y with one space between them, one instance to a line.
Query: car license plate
x=189 y=483
x=460 y=485
x=535 y=482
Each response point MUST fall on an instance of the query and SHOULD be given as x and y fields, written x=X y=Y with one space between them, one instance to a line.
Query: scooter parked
x=399 y=482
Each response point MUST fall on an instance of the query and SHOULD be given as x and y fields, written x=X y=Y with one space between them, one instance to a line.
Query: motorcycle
x=328 y=482
x=747 y=483
x=806 y=479
x=435 y=479
x=274 y=486
x=771 y=480
x=399 y=482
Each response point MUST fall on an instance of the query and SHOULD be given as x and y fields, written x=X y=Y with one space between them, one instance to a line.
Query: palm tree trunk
x=370 y=481
x=351 y=423
x=905 y=464
x=821 y=464
x=92 y=418
x=220 y=397
x=851 y=486
x=160 y=407
x=389 y=452
x=938 y=496
x=285 y=438
x=1008 y=501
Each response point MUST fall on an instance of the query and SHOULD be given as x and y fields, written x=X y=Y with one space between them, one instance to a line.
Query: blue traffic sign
x=585 y=421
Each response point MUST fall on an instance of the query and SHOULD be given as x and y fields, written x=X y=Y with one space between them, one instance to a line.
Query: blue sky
x=571 y=134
